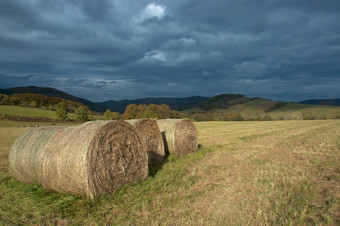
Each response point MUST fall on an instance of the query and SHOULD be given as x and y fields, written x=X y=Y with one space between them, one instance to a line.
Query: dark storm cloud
x=115 y=49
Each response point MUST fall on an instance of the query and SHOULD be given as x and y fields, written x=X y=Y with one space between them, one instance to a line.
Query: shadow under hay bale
x=151 y=137
x=90 y=159
x=155 y=167
x=180 y=136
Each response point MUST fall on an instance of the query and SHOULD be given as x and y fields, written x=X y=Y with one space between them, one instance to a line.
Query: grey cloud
x=251 y=69
x=133 y=49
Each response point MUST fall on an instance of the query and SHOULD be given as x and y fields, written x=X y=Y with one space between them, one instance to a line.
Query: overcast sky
x=122 y=49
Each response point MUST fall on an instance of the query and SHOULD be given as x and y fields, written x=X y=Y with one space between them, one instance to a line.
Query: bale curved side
x=25 y=155
x=152 y=138
x=90 y=159
x=180 y=136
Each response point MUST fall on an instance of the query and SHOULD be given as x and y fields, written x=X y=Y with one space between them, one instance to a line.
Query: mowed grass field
x=274 y=172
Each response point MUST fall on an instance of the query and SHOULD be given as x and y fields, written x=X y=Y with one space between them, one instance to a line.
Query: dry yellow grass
x=268 y=173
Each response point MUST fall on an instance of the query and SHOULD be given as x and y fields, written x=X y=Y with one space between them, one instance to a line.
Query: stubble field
x=276 y=172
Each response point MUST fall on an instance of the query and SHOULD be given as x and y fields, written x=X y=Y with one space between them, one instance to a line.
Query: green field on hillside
x=26 y=111
x=262 y=109
x=245 y=173
x=256 y=107
x=29 y=112
x=294 y=111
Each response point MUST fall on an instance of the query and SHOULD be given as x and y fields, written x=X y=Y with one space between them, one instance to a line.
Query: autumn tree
x=82 y=113
x=33 y=104
x=14 y=100
x=152 y=111
x=164 y=111
x=108 y=115
x=141 y=109
x=130 y=111
x=116 y=115
x=61 y=111
x=176 y=114
x=5 y=100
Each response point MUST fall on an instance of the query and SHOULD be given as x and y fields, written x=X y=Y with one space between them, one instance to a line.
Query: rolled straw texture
x=152 y=138
x=179 y=136
x=90 y=159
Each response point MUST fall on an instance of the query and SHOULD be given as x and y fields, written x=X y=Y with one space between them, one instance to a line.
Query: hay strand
x=180 y=136
x=90 y=159
x=151 y=137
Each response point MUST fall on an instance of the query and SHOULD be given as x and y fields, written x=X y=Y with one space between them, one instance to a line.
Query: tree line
x=133 y=111
x=61 y=106
x=82 y=113
x=37 y=100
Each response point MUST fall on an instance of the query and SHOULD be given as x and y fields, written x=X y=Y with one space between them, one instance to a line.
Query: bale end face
x=185 y=137
x=117 y=157
x=179 y=135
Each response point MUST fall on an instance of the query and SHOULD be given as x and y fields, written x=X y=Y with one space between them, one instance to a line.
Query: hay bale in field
x=152 y=138
x=179 y=135
x=90 y=159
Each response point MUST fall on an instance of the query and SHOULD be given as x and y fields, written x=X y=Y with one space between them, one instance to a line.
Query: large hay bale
x=179 y=135
x=152 y=138
x=90 y=159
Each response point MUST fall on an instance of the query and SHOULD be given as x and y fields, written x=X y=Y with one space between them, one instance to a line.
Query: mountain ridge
x=329 y=102
x=222 y=101
x=113 y=105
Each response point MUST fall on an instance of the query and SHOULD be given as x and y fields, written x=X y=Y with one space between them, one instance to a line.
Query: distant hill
x=178 y=104
x=51 y=92
x=298 y=111
x=220 y=107
x=239 y=107
x=223 y=101
x=233 y=107
x=174 y=103
x=5 y=91
x=330 y=102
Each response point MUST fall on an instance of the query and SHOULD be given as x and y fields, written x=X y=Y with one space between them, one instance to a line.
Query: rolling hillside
x=178 y=104
x=220 y=107
x=295 y=111
x=244 y=108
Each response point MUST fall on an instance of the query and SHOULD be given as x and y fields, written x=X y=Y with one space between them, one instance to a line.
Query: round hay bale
x=179 y=136
x=90 y=159
x=152 y=138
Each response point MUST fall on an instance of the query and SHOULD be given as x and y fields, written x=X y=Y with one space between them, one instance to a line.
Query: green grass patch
x=251 y=108
x=295 y=111
x=29 y=112
x=192 y=111
x=31 y=204
x=26 y=112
